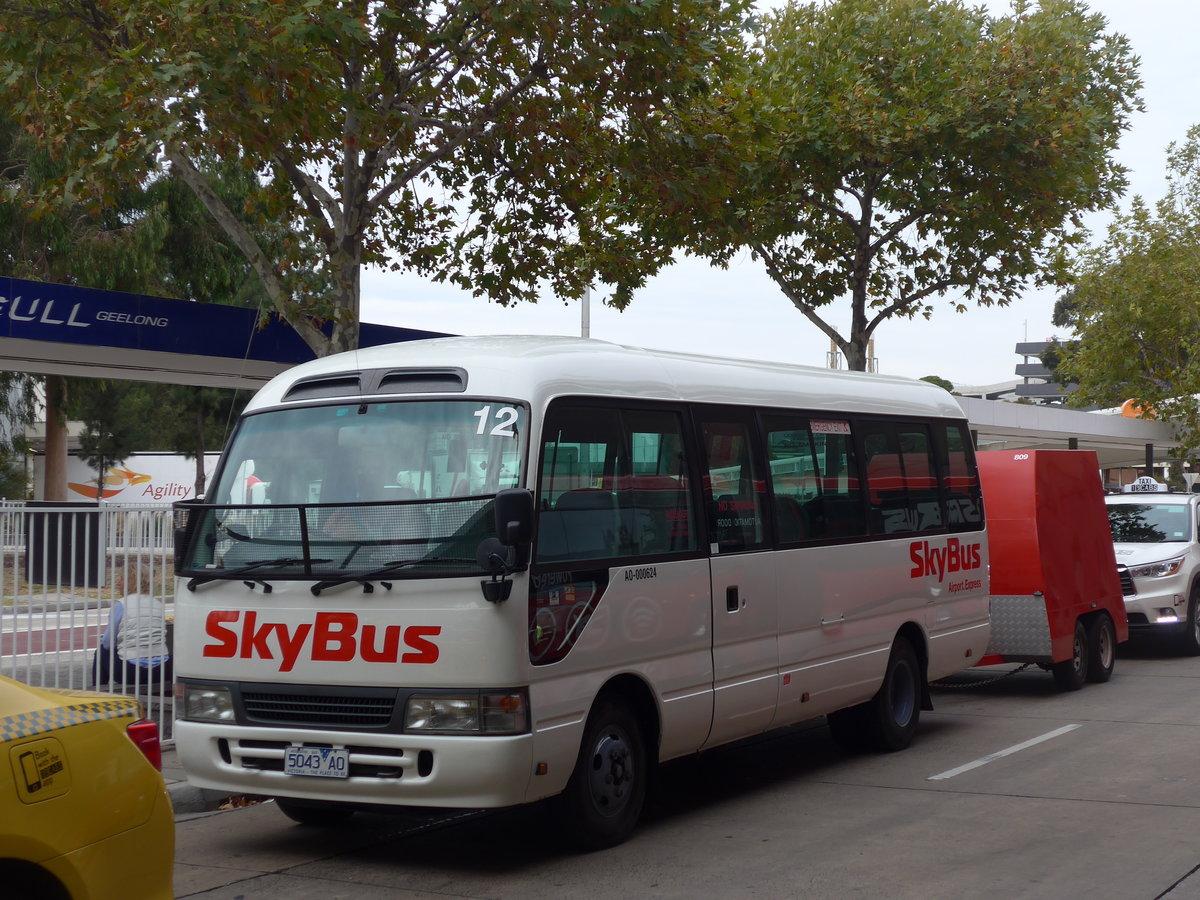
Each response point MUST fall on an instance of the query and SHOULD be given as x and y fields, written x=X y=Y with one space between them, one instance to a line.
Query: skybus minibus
x=481 y=572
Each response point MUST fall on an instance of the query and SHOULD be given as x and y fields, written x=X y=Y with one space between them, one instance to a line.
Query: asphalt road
x=1011 y=790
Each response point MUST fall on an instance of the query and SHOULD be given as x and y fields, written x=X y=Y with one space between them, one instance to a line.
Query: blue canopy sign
x=127 y=332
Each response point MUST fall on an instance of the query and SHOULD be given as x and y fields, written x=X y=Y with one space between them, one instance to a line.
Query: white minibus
x=486 y=571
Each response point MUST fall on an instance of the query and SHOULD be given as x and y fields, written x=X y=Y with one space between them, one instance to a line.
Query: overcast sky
x=740 y=312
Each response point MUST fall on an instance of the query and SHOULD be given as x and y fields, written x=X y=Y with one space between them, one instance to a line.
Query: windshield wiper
x=365 y=578
x=250 y=567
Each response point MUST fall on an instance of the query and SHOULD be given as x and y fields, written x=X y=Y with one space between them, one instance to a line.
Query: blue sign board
x=59 y=313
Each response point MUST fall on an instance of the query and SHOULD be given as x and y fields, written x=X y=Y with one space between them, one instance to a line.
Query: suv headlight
x=468 y=712
x=1157 y=569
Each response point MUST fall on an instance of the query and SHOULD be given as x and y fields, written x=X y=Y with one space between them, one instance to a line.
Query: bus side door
x=745 y=617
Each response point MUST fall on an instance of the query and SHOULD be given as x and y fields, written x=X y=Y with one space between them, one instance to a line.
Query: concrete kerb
x=187 y=798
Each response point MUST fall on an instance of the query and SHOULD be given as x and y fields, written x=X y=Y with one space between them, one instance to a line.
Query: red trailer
x=1056 y=596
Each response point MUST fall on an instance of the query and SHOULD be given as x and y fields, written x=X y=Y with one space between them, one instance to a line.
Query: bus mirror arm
x=494 y=557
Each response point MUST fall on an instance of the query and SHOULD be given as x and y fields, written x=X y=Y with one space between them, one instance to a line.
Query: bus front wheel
x=603 y=799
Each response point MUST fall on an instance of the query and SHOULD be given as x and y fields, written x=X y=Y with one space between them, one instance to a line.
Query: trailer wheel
x=603 y=799
x=889 y=719
x=1070 y=674
x=1102 y=648
x=1191 y=628
x=316 y=814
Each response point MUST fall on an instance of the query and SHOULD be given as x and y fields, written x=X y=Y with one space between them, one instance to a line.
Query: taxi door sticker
x=40 y=770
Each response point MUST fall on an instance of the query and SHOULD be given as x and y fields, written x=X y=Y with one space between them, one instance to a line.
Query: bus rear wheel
x=891 y=718
x=602 y=802
x=888 y=721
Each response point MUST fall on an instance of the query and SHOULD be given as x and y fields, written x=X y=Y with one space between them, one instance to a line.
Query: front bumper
x=1160 y=604
x=388 y=769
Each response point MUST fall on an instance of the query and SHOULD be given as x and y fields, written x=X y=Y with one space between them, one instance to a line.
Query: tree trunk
x=199 y=452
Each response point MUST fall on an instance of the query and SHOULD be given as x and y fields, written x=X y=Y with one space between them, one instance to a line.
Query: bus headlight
x=1158 y=569
x=207 y=704
x=468 y=712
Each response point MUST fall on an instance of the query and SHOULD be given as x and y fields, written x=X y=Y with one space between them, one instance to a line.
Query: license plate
x=323 y=762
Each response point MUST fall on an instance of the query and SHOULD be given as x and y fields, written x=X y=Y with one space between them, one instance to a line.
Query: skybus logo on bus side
x=335 y=637
x=941 y=561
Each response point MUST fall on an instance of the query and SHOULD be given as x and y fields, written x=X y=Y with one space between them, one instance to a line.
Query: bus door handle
x=732 y=602
x=833 y=622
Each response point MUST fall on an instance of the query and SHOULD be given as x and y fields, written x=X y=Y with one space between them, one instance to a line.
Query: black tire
x=889 y=719
x=602 y=802
x=1070 y=674
x=319 y=815
x=1102 y=648
x=1189 y=639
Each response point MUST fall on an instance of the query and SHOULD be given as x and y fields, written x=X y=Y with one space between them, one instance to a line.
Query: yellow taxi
x=84 y=812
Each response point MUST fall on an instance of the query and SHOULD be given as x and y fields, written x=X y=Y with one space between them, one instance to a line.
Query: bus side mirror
x=186 y=516
x=514 y=516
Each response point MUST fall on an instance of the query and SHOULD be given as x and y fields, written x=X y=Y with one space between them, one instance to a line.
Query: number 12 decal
x=506 y=418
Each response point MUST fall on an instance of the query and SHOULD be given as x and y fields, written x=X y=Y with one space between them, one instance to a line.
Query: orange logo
x=115 y=481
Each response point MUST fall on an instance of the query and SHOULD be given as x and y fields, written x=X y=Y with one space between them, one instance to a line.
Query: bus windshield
x=327 y=491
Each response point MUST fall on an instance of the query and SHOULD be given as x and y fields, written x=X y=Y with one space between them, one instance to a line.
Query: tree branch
x=245 y=242
x=478 y=128
x=806 y=308
x=903 y=303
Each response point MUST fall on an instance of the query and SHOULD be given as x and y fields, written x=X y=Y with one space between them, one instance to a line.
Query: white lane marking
x=999 y=754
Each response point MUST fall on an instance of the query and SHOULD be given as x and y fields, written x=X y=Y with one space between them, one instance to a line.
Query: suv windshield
x=1150 y=523
x=345 y=490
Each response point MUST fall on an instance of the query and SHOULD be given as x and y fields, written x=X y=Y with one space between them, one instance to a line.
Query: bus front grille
x=320 y=710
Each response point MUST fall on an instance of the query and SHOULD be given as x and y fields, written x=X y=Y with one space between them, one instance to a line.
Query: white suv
x=1155 y=539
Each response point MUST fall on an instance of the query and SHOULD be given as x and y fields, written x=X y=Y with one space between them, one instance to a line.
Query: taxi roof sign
x=1144 y=484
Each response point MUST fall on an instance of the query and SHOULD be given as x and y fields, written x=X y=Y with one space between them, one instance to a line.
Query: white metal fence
x=61 y=567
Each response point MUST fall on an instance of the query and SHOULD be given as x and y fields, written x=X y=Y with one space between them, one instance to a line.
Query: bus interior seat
x=791 y=519
x=648 y=505
x=582 y=525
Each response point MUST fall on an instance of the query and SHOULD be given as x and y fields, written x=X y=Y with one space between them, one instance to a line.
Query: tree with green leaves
x=880 y=154
x=116 y=422
x=156 y=239
x=194 y=420
x=466 y=140
x=1135 y=305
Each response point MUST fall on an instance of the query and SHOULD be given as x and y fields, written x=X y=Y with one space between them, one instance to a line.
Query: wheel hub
x=611 y=773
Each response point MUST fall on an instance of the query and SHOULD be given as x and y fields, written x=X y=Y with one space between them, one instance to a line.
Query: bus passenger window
x=901 y=479
x=654 y=501
x=961 y=491
x=814 y=479
x=732 y=487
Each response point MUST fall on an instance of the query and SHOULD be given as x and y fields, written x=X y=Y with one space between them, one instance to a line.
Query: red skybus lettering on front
x=335 y=637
